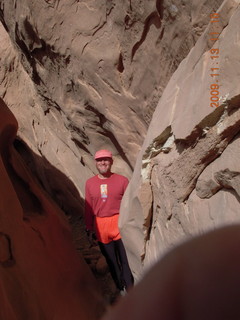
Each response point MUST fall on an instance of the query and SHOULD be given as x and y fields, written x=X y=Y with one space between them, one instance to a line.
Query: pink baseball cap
x=103 y=154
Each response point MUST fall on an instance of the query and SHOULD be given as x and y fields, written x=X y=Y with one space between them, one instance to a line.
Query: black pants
x=116 y=257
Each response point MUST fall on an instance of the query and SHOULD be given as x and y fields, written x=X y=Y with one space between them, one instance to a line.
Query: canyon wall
x=84 y=75
x=186 y=179
x=41 y=274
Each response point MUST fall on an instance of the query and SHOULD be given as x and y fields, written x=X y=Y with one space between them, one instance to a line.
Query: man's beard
x=103 y=170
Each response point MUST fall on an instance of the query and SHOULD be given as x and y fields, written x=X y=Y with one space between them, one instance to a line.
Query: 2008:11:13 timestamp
x=214 y=87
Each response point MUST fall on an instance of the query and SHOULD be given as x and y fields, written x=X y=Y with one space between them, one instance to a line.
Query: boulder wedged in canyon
x=41 y=275
x=188 y=167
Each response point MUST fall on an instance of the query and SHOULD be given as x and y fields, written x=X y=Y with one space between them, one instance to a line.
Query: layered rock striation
x=186 y=179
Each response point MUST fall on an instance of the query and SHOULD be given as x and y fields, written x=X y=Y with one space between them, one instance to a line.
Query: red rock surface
x=41 y=275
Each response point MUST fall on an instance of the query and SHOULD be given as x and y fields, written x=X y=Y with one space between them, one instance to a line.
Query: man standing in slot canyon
x=103 y=195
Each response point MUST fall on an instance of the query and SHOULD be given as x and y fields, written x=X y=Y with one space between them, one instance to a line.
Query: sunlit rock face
x=80 y=76
x=186 y=179
x=41 y=275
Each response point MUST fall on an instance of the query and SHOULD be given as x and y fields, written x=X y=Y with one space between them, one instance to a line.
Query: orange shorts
x=107 y=228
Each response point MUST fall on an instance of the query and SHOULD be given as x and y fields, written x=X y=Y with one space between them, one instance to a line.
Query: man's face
x=104 y=165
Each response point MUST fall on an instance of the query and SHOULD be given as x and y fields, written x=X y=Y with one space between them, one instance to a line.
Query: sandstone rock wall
x=82 y=75
x=188 y=165
x=41 y=275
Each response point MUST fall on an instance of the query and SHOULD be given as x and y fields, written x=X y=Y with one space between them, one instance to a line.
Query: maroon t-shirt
x=103 y=197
